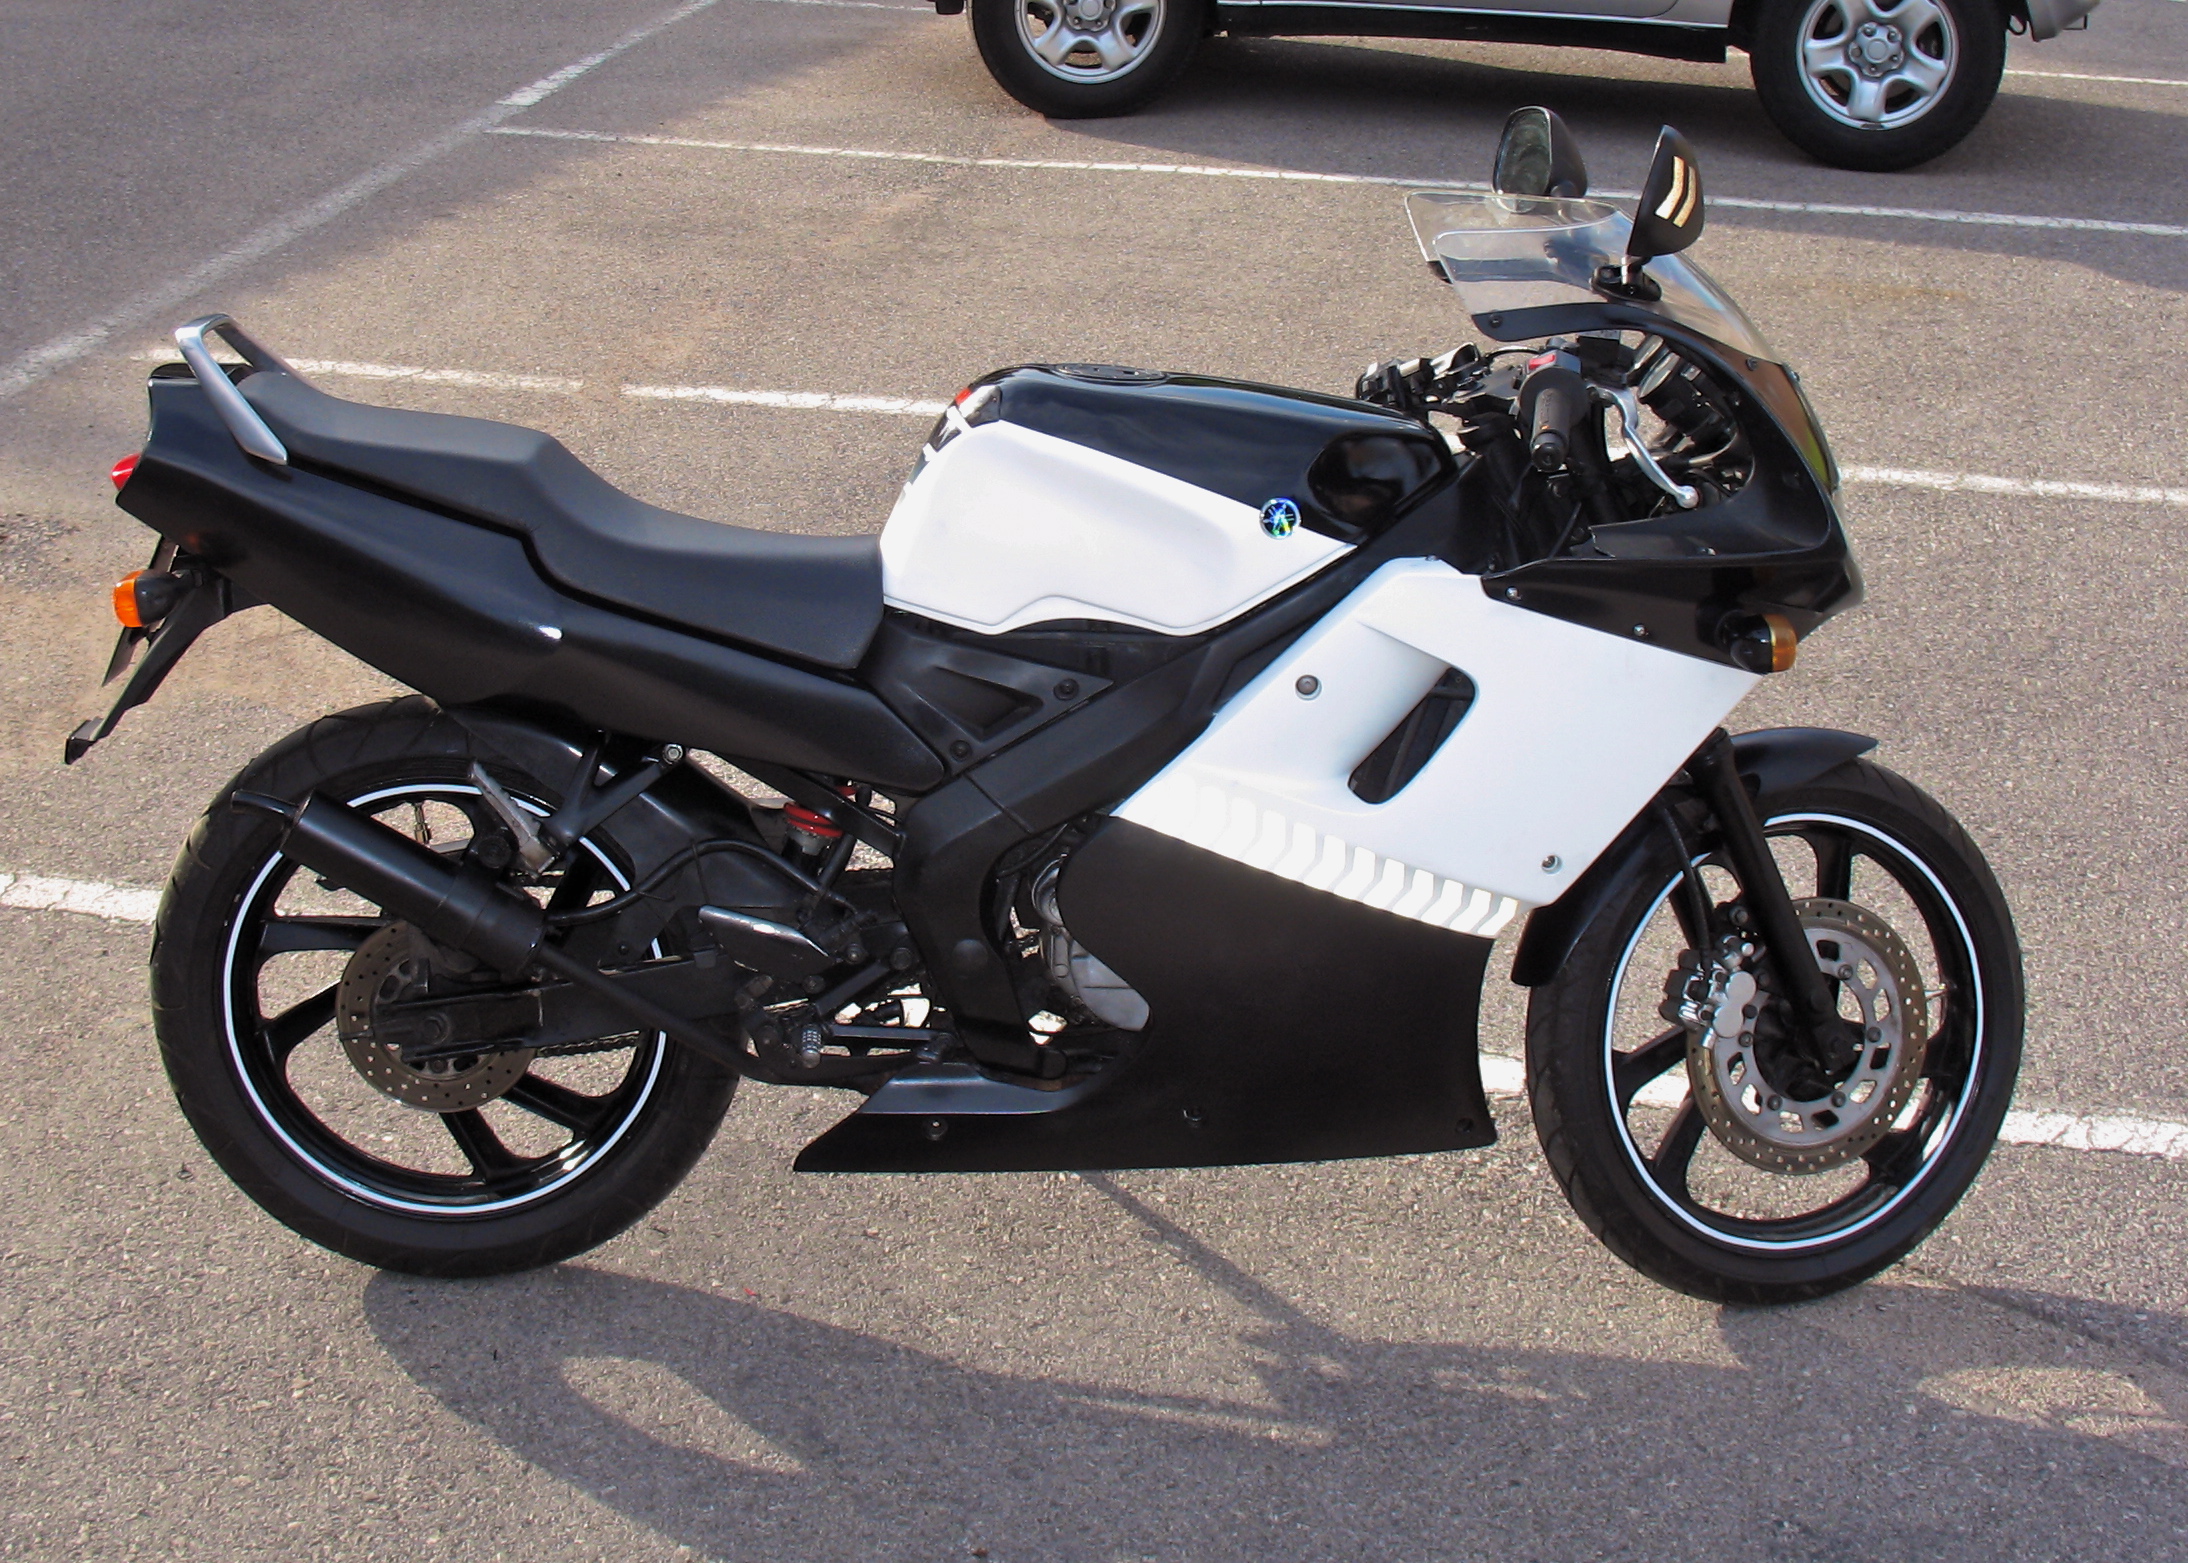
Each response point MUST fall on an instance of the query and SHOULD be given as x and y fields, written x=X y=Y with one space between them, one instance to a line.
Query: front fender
x=1770 y=759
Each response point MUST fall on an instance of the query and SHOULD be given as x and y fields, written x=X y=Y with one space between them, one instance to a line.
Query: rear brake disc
x=393 y=965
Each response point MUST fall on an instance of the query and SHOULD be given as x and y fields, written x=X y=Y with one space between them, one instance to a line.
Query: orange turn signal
x=126 y=607
x=1766 y=643
x=142 y=598
x=1784 y=644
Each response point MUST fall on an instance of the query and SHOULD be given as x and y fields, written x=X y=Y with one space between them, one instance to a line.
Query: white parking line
x=1504 y=1077
x=914 y=407
x=491 y=380
x=29 y=368
x=482 y=379
x=2033 y=488
x=1305 y=176
x=2132 y=81
x=817 y=401
x=118 y=903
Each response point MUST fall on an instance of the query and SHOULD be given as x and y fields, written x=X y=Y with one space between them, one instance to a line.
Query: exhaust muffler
x=458 y=905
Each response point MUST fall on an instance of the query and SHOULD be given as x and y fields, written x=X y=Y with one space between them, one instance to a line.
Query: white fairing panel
x=1007 y=526
x=1571 y=733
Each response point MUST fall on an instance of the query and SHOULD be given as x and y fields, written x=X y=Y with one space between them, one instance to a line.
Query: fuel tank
x=1172 y=503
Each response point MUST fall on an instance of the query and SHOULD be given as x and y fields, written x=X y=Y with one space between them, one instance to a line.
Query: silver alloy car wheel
x=1875 y=65
x=1093 y=41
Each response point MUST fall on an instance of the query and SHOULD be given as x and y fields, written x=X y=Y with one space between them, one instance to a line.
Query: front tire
x=1086 y=59
x=499 y=1163
x=1753 y=1208
x=1877 y=85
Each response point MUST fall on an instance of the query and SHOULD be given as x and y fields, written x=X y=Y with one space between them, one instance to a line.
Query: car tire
x=1057 y=63
x=1932 y=71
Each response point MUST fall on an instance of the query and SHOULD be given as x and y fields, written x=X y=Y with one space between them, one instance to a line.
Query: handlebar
x=1553 y=399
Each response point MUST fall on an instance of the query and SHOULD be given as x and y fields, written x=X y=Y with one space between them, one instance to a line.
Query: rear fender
x=1770 y=760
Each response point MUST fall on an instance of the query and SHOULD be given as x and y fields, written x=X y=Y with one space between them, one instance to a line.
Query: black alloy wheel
x=1877 y=85
x=1699 y=1153
x=475 y=1165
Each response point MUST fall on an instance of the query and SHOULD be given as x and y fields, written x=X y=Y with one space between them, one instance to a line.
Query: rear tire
x=1086 y=59
x=274 y=1099
x=1645 y=1165
x=1941 y=62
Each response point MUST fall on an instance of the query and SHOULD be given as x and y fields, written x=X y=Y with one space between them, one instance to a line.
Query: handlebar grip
x=1557 y=399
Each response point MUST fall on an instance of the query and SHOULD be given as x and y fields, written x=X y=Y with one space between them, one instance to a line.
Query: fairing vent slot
x=1414 y=741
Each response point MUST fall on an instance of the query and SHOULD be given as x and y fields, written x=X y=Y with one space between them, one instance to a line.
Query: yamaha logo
x=1280 y=518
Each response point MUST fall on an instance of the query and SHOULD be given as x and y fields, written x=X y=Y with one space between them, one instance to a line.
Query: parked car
x=1868 y=84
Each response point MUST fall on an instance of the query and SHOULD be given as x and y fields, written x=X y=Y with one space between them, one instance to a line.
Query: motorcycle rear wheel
x=557 y=1156
x=1613 y=1093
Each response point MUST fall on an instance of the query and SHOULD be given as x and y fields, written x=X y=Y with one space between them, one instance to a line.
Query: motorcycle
x=1149 y=793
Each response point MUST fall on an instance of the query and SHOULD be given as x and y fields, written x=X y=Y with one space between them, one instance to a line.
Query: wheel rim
x=547 y=1130
x=1875 y=65
x=1089 y=41
x=1663 y=1130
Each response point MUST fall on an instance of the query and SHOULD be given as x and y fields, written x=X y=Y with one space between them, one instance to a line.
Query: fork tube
x=1762 y=886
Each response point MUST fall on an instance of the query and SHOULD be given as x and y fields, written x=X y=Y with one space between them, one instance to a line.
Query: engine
x=1074 y=968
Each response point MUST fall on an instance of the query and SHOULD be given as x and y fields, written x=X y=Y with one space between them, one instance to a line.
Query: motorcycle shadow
x=1902 y=1420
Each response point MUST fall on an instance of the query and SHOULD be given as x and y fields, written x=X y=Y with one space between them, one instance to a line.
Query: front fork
x=1820 y=1033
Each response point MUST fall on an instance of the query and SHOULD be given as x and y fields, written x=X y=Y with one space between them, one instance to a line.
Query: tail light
x=123 y=468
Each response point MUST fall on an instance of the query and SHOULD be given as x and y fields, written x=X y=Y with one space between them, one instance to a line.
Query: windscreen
x=1507 y=253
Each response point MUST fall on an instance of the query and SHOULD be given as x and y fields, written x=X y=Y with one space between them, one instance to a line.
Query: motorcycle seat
x=817 y=599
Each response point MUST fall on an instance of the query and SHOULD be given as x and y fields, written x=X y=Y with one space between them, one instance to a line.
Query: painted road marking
x=2132 y=81
x=1304 y=176
x=1504 y=1077
x=29 y=368
x=2033 y=488
x=818 y=401
x=119 y=903
x=915 y=407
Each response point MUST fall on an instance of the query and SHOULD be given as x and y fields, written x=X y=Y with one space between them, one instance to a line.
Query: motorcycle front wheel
x=1699 y=1154
x=477 y=1165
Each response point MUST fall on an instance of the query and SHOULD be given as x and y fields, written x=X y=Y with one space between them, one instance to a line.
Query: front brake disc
x=393 y=965
x=1872 y=966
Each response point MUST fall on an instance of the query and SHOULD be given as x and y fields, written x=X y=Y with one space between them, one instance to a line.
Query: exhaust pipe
x=456 y=904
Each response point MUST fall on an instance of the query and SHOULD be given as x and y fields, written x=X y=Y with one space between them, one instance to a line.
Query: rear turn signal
x=144 y=597
x=123 y=468
x=1765 y=644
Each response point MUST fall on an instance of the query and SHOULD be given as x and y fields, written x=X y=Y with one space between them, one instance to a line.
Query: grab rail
x=242 y=418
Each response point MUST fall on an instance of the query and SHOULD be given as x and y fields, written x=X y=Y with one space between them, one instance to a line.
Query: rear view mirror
x=1666 y=219
x=1537 y=155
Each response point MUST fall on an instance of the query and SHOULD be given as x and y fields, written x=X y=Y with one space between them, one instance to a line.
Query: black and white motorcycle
x=1149 y=793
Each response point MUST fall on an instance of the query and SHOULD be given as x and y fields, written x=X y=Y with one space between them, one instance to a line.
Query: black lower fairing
x=1287 y=1025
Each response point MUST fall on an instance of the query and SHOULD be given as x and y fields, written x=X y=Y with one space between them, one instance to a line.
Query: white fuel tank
x=1007 y=526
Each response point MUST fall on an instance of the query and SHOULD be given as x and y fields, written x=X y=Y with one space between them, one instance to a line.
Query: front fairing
x=1525 y=268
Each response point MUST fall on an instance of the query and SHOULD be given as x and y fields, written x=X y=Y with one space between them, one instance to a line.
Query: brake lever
x=1629 y=413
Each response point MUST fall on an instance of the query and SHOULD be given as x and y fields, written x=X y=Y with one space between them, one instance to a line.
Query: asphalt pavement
x=708 y=262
